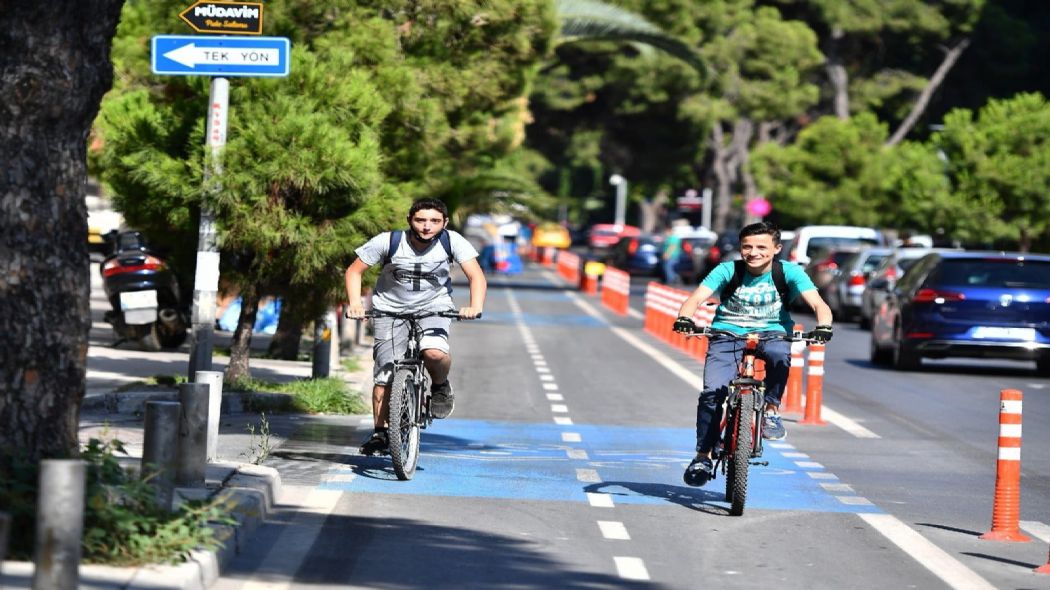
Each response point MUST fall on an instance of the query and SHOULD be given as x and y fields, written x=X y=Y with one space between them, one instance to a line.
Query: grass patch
x=330 y=395
x=350 y=365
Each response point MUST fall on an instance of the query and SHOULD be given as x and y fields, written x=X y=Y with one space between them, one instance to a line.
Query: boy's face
x=758 y=250
x=427 y=223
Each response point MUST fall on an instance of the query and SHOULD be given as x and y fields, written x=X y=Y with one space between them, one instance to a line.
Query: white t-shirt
x=414 y=281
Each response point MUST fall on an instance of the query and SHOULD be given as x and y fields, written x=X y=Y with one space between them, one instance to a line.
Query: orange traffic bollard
x=793 y=390
x=1006 y=508
x=1043 y=569
x=814 y=385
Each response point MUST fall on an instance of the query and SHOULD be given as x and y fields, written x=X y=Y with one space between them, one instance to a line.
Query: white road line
x=559 y=408
x=614 y=530
x=780 y=445
x=838 y=487
x=542 y=370
x=578 y=454
x=634 y=313
x=295 y=542
x=588 y=475
x=563 y=420
x=631 y=568
x=555 y=397
x=1037 y=529
x=694 y=380
x=550 y=386
x=571 y=437
x=821 y=475
x=932 y=557
x=794 y=455
x=809 y=465
x=600 y=500
x=854 y=500
x=546 y=377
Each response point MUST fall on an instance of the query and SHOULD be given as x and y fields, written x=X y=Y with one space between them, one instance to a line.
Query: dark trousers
x=720 y=367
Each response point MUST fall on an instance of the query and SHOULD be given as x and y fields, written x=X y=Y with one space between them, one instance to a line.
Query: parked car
x=604 y=235
x=696 y=245
x=845 y=293
x=966 y=304
x=824 y=266
x=550 y=235
x=810 y=239
x=884 y=277
x=638 y=255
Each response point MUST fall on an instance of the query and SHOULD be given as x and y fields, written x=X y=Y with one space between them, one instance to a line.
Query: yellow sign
x=229 y=18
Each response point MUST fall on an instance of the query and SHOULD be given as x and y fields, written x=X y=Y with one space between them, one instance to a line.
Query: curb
x=134 y=402
x=251 y=491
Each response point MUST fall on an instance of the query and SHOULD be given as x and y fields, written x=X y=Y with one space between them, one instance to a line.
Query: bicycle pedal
x=762 y=463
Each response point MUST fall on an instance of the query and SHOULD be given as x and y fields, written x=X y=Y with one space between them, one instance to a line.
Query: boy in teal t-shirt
x=755 y=306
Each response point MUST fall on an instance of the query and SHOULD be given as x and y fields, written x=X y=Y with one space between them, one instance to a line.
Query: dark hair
x=428 y=203
x=762 y=227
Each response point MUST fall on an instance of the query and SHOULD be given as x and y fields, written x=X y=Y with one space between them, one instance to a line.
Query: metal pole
x=59 y=524
x=213 y=379
x=322 y=343
x=206 y=279
x=5 y=534
x=705 y=212
x=160 y=448
x=621 y=202
x=193 y=434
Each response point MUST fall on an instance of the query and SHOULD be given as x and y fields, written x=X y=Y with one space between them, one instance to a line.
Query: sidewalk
x=253 y=490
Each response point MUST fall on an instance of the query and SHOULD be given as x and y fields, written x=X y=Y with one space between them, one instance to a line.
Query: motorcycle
x=143 y=293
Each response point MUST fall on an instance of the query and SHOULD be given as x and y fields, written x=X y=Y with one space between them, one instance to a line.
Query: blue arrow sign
x=189 y=55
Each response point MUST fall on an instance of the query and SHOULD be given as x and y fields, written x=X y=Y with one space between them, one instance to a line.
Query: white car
x=101 y=219
x=809 y=239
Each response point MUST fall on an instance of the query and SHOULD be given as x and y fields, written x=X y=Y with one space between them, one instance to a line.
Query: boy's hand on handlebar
x=355 y=312
x=469 y=313
x=684 y=325
x=822 y=333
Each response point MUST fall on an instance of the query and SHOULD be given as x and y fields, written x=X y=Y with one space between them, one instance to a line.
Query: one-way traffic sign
x=188 y=55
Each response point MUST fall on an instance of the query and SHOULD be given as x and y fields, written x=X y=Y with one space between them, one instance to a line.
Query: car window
x=872 y=262
x=917 y=273
x=993 y=273
x=906 y=263
x=834 y=243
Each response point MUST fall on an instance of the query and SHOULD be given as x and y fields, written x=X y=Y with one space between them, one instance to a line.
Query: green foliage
x=330 y=395
x=123 y=525
x=259 y=445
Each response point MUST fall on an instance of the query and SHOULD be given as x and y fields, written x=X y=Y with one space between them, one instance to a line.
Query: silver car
x=885 y=276
x=845 y=293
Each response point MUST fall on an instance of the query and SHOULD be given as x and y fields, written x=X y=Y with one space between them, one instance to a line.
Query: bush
x=330 y=395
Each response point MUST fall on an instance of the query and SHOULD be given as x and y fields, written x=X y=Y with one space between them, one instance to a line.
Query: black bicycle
x=409 y=393
x=740 y=442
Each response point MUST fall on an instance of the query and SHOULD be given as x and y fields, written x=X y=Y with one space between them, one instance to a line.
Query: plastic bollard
x=1006 y=508
x=814 y=386
x=793 y=391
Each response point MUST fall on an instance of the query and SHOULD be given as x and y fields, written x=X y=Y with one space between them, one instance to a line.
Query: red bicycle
x=744 y=410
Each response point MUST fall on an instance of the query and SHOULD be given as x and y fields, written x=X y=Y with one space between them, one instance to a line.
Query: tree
x=54 y=69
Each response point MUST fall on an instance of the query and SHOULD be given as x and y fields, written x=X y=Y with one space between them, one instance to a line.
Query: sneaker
x=699 y=472
x=442 y=401
x=377 y=444
x=773 y=428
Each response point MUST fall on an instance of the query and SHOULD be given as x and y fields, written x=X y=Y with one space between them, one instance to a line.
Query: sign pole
x=206 y=278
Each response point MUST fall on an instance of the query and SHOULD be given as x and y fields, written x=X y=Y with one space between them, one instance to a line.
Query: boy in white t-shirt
x=416 y=276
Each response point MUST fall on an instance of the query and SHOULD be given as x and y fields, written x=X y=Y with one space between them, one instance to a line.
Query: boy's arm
x=355 y=307
x=478 y=288
x=820 y=309
x=701 y=294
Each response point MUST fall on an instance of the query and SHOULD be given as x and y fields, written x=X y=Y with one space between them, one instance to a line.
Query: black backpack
x=738 y=279
x=395 y=240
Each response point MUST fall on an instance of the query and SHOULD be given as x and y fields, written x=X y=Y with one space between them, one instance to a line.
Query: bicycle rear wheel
x=404 y=424
x=736 y=474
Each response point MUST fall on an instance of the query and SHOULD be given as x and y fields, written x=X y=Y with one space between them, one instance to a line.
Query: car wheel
x=904 y=357
x=877 y=354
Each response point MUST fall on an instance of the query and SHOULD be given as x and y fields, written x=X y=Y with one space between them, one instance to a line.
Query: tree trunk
x=286 y=341
x=54 y=69
x=240 y=346
x=950 y=57
x=837 y=75
x=723 y=191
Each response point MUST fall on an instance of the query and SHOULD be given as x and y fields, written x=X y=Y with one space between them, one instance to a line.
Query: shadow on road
x=692 y=498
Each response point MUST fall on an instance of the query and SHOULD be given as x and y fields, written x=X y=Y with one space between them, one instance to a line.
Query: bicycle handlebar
x=797 y=336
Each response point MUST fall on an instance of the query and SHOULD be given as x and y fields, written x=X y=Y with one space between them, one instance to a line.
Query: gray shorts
x=391 y=341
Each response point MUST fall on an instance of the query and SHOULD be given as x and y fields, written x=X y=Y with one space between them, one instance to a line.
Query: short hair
x=428 y=203
x=762 y=227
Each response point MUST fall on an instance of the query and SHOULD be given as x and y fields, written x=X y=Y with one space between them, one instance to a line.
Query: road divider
x=616 y=290
x=1006 y=507
x=814 y=385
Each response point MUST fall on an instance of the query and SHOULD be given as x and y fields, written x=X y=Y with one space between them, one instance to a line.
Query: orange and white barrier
x=548 y=256
x=792 y=401
x=568 y=266
x=661 y=309
x=1006 y=509
x=814 y=385
x=616 y=289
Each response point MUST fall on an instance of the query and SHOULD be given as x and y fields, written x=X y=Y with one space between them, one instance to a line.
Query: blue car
x=966 y=304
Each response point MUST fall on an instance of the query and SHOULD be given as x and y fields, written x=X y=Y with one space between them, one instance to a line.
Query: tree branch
x=923 y=101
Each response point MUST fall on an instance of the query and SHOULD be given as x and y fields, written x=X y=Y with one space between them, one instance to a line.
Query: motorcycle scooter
x=144 y=294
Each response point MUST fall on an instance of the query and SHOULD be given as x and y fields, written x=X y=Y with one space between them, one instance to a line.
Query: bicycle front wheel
x=404 y=423
x=743 y=425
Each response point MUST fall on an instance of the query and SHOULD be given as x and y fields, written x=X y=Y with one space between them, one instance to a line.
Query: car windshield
x=1032 y=274
x=837 y=243
x=871 y=262
x=906 y=263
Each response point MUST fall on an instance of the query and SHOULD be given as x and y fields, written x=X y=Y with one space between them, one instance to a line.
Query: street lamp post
x=621 y=197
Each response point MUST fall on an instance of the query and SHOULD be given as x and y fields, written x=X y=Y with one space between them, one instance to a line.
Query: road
x=561 y=467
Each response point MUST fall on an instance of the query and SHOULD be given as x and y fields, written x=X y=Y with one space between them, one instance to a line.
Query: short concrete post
x=160 y=448
x=193 y=434
x=213 y=379
x=59 y=524
x=322 y=352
